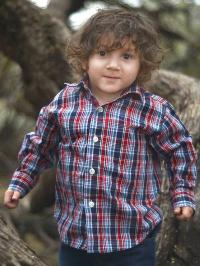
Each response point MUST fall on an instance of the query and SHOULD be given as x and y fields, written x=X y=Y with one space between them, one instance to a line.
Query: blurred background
x=34 y=67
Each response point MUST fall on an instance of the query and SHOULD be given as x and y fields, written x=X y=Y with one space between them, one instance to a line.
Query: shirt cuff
x=21 y=182
x=183 y=197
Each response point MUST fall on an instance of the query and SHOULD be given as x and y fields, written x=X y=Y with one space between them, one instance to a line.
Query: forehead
x=112 y=42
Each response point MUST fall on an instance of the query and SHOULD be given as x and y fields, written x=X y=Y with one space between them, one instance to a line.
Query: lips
x=111 y=77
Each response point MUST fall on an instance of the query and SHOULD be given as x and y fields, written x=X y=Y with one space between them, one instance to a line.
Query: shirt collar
x=133 y=89
x=84 y=83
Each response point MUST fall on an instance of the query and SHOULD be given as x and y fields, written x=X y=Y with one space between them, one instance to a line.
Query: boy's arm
x=174 y=143
x=37 y=153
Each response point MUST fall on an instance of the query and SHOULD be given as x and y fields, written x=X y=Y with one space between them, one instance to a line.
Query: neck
x=105 y=99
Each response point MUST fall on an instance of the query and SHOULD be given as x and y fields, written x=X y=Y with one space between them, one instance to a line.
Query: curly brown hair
x=116 y=25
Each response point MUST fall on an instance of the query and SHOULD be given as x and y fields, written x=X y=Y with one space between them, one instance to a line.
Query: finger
x=187 y=212
x=177 y=210
x=8 y=195
x=11 y=204
x=178 y=213
x=16 y=195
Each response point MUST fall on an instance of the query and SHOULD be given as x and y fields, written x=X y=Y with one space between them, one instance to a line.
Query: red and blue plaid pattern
x=108 y=161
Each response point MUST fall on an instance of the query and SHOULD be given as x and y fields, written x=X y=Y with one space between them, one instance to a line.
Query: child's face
x=111 y=72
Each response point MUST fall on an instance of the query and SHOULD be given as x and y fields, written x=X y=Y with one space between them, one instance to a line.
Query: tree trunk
x=13 y=251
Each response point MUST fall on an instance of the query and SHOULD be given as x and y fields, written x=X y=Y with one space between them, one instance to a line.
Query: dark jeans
x=140 y=255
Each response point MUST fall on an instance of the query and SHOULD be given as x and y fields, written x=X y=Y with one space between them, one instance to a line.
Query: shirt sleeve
x=38 y=152
x=174 y=143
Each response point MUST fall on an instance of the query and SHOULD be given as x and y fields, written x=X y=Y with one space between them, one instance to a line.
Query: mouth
x=111 y=77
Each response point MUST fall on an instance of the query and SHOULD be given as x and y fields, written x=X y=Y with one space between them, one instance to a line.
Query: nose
x=113 y=63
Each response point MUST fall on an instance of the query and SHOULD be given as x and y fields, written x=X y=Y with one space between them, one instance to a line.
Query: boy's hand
x=183 y=213
x=11 y=198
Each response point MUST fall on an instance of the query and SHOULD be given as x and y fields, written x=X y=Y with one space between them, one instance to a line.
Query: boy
x=108 y=136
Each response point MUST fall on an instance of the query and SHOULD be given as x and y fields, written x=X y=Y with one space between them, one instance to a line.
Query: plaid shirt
x=108 y=161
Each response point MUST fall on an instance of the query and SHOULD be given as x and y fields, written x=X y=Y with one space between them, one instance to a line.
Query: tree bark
x=59 y=9
x=13 y=251
x=36 y=41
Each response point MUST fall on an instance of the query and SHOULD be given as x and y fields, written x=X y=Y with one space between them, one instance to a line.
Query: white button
x=92 y=171
x=91 y=204
x=95 y=138
x=100 y=109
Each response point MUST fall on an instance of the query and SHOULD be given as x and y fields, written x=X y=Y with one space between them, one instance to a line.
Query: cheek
x=94 y=68
x=92 y=74
x=133 y=71
x=136 y=69
x=89 y=71
x=137 y=65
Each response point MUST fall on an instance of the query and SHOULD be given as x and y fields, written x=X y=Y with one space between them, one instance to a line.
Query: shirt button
x=92 y=171
x=95 y=138
x=100 y=109
x=91 y=204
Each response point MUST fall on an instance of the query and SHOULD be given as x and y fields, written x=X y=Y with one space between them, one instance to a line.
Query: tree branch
x=36 y=41
x=13 y=251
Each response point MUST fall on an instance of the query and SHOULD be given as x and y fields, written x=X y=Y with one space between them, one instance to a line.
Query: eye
x=127 y=56
x=102 y=52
